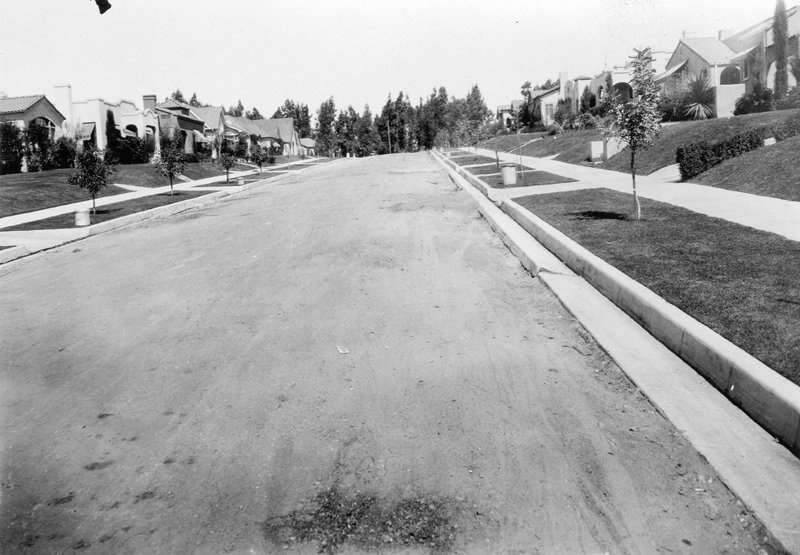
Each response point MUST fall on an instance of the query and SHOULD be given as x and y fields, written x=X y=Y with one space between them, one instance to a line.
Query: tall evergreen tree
x=780 y=32
x=177 y=95
x=325 y=132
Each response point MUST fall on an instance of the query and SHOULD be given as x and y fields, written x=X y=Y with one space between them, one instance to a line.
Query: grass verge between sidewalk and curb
x=738 y=281
x=526 y=178
x=110 y=211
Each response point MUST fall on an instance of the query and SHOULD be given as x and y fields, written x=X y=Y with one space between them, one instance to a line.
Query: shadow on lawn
x=598 y=215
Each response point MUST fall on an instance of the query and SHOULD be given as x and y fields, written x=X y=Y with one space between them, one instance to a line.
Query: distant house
x=308 y=146
x=732 y=62
x=507 y=113
x=86 y=119
x=269 y=133
x=24 y=110
x=548 y=103
x=178 y=118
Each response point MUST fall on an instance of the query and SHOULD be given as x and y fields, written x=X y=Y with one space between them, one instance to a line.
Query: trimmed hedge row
x=695 y=158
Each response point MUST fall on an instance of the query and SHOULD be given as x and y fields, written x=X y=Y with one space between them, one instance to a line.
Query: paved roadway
x=346 y=361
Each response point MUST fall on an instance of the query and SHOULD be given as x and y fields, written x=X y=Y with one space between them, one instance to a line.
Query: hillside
x=772 y=171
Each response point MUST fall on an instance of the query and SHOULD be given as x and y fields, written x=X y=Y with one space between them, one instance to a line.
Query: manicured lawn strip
x=111 y=211
x=569 y=146
x=27 y=192
x=529 y=178
x=485 y=170
x=476 y=159
x=772 y=171
x=201 y=170
x=662 y=152
x=739 y=281
x=504 y=143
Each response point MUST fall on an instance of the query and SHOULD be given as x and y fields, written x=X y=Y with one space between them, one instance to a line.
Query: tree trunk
x=170 y=185
x=226 y=175
x=637 y=209
x=94 y=207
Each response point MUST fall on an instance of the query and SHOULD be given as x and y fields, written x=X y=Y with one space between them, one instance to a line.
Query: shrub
x=759 y=100
x=553 y=129
x=63 y=153
x=586 y=121
x=11 y=148
x=699 y=99
x=695 y=158
x=133 y=150
x=191 y=158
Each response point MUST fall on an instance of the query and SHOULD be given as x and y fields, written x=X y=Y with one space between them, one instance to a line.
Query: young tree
x=780 y=32
x=172 y=160
x=227 y=160
x=258 y=156
x=91 y=173
x=638 y=120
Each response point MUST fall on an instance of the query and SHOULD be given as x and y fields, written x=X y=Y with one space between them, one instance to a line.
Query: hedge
x=695 y=158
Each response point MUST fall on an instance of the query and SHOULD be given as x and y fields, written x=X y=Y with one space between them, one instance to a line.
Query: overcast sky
x=358 y=51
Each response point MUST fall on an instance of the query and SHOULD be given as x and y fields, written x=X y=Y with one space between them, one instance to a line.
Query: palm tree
x=699 y=99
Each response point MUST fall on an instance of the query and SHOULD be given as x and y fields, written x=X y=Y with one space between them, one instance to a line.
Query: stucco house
x=732 y=62
x=178 y=118
x=269 y=133
x=22 y=110
x=507 y=113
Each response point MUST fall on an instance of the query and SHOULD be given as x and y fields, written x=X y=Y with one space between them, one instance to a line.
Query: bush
x=63 y=153
x=553 y=129
x=133 y=150
x=586 y=121
x=695 y=158
x=759 y=100
x=11 y=148
x=191 y=158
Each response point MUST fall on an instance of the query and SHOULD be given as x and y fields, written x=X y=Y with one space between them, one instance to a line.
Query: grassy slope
x=570 y=146
x=740 y=282
x=26 y=192
x=504 y=143
x=772 y=171
x=111 y=211
x=662 y=152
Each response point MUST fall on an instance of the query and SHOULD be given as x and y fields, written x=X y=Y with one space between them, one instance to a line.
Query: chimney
x=149 y=102
x=62 y=100
x=724 y=34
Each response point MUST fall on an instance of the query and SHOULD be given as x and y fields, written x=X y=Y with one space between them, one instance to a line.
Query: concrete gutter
x=763 y=473
x=47 y=239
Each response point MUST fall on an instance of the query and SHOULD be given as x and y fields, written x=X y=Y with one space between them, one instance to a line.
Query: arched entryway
x=730 y=76
x=623 y=90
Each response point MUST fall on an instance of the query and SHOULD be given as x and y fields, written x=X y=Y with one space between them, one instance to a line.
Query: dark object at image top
x=103 y=6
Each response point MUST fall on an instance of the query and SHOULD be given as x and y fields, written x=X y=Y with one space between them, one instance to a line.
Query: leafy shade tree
x=91 y=173
x=326 y=134
x=477 y=113
x=253 y=114
x=172 y=160
x=780 y=32
x=637 y=121
x=227 y=160
x=178 y=96
x=12 y=148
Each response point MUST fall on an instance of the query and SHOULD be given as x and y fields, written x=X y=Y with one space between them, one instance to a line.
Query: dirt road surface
x=347 y=361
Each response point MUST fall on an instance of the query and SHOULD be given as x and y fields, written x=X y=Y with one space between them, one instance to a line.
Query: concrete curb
x=14 y=253
x=764 y=395
x=7 y=255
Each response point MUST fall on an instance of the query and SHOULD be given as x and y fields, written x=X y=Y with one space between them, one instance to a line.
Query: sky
x=357 y=51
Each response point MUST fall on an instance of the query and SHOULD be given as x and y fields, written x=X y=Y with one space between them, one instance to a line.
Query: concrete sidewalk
x=765 y=213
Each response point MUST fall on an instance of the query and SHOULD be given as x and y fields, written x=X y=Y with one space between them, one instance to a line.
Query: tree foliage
x=172 y=160
x=637 y=121
x=178 y=96
x=253 y=114
x=227 y=161
x=299 y=113
x=326 y=117
x=91 y=173
x=12 y=148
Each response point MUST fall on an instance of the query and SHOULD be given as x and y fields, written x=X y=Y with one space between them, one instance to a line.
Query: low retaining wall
x=766 y=396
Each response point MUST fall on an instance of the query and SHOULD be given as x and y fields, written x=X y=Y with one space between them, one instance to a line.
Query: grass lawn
x=529 y=178
x=739 y=281
x=662 y=152
x=201 y=170
x=570 y=146
x=505 y=143
x=27 y=192
x=111 y=211
x=485 y=169
x=772 y=171
x=474 y=159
